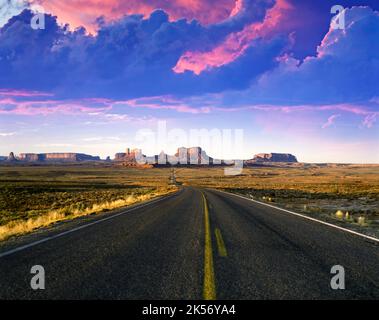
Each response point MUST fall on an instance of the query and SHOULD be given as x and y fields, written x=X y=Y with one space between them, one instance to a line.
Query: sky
x=246 y=76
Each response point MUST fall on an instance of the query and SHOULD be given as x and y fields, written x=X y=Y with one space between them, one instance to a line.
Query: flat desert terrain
x=34 y=196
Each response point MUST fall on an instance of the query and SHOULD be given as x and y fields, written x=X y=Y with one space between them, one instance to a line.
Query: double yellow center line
x=209 y=287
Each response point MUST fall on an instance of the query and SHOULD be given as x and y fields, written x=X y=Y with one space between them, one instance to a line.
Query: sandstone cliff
x=56 y=157
x=274 y=157
x=11 y=157
x=183 y=156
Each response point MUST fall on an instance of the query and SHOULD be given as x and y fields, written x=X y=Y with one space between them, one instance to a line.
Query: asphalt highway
x=196 y=244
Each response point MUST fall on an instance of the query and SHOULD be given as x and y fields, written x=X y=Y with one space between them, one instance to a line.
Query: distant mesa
x=57 y=157
x=274 y=157
x=131 y=156
x=183 y=156
x=51 y=157
x=194 y=156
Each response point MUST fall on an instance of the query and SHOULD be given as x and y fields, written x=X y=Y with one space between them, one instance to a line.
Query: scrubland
x=36 y=196
x=347 y=195
x=33 y=196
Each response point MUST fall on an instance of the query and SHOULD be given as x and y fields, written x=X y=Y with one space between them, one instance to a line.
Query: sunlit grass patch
x=35 y=197
x=17 y=227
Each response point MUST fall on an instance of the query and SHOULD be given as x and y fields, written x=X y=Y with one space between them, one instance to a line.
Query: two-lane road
x=193 y=245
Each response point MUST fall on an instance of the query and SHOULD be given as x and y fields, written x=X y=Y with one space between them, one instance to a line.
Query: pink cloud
x=194 y=105
x=190 y=105
x=234 y=45
x=10 y=106
x=85 y=12
x=330 y=121
x=164 y=103
x=237 y=8
x=370 y=119
x=369 y=116
x=95 y=106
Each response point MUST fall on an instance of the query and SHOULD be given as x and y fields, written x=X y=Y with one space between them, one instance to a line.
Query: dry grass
x=35 y=197
x=31 y=197
x=18 y=227
x=318 y=191
x=353 y=180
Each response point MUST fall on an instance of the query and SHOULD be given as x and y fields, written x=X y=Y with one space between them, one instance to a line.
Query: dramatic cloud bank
x=346 y=68
x=235 y=45
x=241 y=51
x=130 y=57
x=136 y=57
x=86 y=12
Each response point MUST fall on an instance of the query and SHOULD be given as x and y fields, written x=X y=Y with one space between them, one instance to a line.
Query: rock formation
x=11 y=157
x=193 y=156
x=273 y=157
x=129 y=156
x=56 y=157
x=134 y=157
x=183 y=156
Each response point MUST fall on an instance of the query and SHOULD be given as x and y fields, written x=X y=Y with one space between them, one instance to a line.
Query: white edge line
x=59 y=235
x=304 y=216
